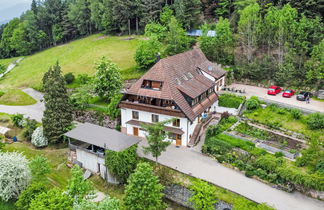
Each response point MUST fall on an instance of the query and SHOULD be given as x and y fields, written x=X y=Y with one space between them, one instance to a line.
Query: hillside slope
x=78 y=57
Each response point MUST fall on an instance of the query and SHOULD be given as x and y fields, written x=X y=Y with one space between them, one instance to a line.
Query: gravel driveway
x=316 y=106
x=34 y=111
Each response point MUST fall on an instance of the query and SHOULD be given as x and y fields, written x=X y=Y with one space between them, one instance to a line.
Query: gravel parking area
x=316 y=106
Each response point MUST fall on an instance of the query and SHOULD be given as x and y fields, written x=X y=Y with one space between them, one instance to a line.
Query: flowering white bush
x=38 y=138
x=15 y=175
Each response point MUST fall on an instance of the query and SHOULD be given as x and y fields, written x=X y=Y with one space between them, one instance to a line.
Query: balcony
x=166 y=110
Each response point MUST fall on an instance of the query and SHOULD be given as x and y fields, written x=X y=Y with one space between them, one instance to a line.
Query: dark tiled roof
x=179 y=74
x=102 y=137
x=166 y=128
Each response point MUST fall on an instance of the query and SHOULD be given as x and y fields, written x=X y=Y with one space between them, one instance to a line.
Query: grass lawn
x=15 y=97
x=78 y=57
x=57 y=157
x=285 y=120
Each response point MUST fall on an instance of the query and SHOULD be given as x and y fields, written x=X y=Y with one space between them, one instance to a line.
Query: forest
x=258 y=40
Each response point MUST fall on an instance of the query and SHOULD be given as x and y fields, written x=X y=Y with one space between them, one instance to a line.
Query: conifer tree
x=57 y=117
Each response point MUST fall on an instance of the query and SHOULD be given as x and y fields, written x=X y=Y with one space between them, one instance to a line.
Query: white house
x=181 y=87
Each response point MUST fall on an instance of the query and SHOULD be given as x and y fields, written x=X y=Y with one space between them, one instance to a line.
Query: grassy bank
x=15 y=97
x=78 y=57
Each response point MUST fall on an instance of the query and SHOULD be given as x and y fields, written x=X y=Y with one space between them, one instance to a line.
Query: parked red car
x=288 y=93
x=274 y=90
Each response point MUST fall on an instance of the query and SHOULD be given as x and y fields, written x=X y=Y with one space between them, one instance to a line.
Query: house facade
x=182 y=87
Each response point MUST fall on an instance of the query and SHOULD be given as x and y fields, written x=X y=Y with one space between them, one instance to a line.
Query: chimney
x=158 y=57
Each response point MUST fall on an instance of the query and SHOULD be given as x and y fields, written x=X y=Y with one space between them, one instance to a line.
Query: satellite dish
x=210 y=68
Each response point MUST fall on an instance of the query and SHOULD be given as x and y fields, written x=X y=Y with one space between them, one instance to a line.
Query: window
x=135 y=115
x=172 y=136
x=176 y=123
x=155 y=118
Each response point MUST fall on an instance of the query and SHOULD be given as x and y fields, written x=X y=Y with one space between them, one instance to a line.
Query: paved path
x=11 y=66
x=34 y=111
x=192 y=162
x=262 y=92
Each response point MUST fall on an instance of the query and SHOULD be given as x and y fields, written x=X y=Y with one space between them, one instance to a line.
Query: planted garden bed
x=256 y=162
x=268 y=136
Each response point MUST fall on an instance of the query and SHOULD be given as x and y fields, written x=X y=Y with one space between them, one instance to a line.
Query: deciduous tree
x=143 y=190
x=156 y=136
x=146 y=53
x=107 y=81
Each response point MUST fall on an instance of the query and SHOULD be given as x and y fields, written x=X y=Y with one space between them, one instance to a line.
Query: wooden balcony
x=151 y=108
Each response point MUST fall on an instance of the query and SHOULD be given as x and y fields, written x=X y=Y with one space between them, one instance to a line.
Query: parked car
x=288 y=93
x=303 y=95
x=274 y=90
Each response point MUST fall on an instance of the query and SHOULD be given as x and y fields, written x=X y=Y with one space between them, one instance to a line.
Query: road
x=192 y=162
x=314 y=105
x=34 y=111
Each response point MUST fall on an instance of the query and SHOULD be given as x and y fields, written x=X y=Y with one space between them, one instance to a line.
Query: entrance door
x=135 y=131
x=178 y=140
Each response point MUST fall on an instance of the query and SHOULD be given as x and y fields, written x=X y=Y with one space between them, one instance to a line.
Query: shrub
x=268 y=163
x=249 y=173
x=14 y=175
x=17 y=120
x=83 y=79
x=39 y=167
x=279 y=154
x=69 y=78
x=107 y=203
x=203 y=195
x=1 y=93
x=315 y=121
x=215 y=146
x=296 y=113
x=38 y=138
x=253 y=103
x=30 y=127
x=121 y=164
x=225 y=115
x=78 y=187
x=31 y=192
x=53 y=199
x=112 y=109
x=230 y=100
x=320 y=166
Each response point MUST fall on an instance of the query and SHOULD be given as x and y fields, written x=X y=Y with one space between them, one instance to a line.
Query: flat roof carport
x=103 y=137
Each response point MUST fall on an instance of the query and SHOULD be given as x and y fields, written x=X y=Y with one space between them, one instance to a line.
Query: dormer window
x=190 y=75
x=154 y=85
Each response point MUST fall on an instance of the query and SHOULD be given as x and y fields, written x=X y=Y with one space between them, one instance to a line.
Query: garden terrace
x=270 y=137
x=282 y=119
x=253 y=161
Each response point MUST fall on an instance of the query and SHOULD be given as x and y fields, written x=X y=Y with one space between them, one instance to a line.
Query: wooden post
x=129 y=30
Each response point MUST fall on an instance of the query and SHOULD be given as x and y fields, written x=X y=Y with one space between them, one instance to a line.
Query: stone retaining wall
x=181 y=195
